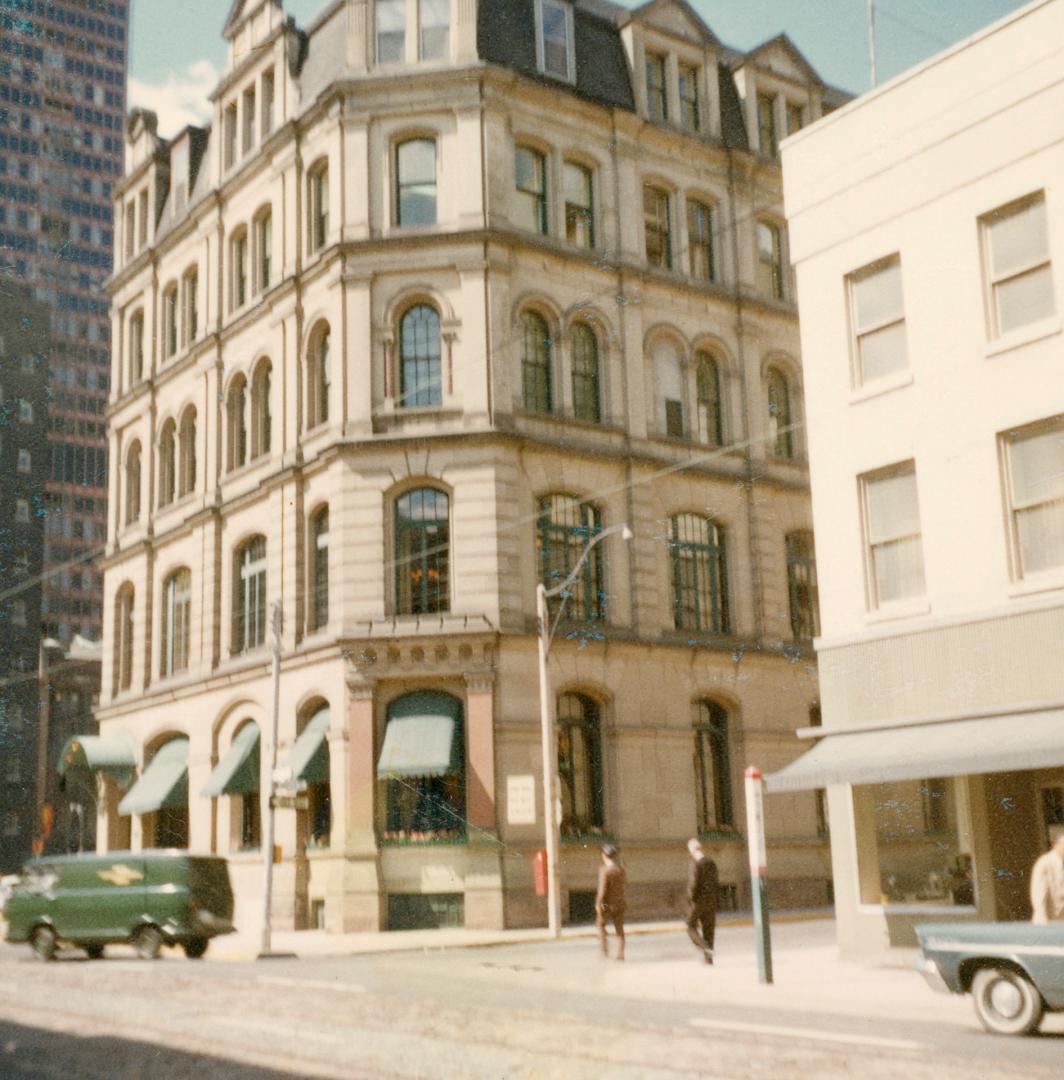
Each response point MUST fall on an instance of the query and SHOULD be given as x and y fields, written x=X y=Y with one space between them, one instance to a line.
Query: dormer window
x=555 y=55
x=690 y=109
x=767 y=137
x=795 y=117
x=657 y=95
x=391 y=31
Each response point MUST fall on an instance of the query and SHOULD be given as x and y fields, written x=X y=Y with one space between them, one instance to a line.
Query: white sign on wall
x=521 y=800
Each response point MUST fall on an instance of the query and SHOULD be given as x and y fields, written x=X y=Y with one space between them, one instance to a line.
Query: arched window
x=261 y=419
x=781 y=438
x=710 y=411
x=586 y=395
x=263 y=256
x=249 y=594
x=422 y=552
x=319 y=378
x=167 y=462
x=319 y=557
x=176 y=622
x=564 y=527
x=424 y=797
x=123 y=639
x=802 y=586
x=713 y=769
x=668 y=371
x=317 y=206
x=415 y=182
x=167 y=826
x=419 y=357
x=170 y=321
x=236 y=423
x=699 y=577
x=536 y=363
x=186 y=478
x=579 y=765
x=133 y=483
x=310 y=762
x=136 y=348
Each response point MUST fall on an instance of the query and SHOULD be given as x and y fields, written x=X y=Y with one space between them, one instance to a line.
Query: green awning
x=109 y=754
x=309 y=758
x=421 y=737
x=238 y=772
x=163 y=784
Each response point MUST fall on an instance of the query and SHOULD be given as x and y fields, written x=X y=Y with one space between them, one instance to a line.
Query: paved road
x=538 y=1010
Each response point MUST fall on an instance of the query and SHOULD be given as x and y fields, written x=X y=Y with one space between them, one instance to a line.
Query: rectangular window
x=319 y=207
x=531 y=178
x=268 y=92
x=690 y=108
x=700 y=241
x=802 y=586
x=657 y=92
x=554 y=35
x=877 y=317
x=391 y=31
x=435 y=29
x=170 y=321
x=142 y=220
x=892 y=535
x=248 y=138
x=229 y=136
x=770 y=260
x=191 y=305
x=22 y=511
x=656 y=227
x=263 y=251
x=767 y=138
x=1019 y=279
x=415 y=194
x=250 y=821
x=579 y=208
x=795 y=117
x=1035 y=460
x=240 y=270
x=131 y=228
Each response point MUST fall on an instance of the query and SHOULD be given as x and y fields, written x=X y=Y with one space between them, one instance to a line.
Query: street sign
x=290 y=802
x=521 y=800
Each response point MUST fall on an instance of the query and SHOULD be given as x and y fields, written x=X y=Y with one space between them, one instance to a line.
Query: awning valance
x=985 y=744
x=112 y=755
x=238 y=772
x=422 y=737
x=309 y=757
x=163 y=784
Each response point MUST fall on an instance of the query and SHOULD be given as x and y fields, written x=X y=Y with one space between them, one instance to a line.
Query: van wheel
x=43 y=942
x=147 y=941
x=94 y=952
x=1006 y=1002
x=195 y=948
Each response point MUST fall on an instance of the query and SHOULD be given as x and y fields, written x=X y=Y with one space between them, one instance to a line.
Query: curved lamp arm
x=626 y=534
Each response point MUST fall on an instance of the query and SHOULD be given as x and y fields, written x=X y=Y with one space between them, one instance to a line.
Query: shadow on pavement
x=50 y=1055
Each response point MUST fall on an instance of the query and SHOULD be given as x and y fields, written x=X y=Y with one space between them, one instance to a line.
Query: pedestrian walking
x=701 y=900
x=609 y=900
x=1047 y=884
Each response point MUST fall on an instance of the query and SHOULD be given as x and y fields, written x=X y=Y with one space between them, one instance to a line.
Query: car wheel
x=195 y=948
x=94 y=952
x=147 y=941
x=1006 y=1002
x=43 y=941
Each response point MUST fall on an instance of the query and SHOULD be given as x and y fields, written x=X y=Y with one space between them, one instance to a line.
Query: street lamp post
x=551 y=801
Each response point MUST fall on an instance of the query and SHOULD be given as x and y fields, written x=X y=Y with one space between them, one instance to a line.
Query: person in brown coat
x=702 y=887
x=609 y=900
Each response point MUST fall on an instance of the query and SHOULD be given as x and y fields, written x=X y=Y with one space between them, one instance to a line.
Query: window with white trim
x=391 y=31
x=1035 y=469
x=1019 y=278
x=877 y=319
x=893 y=544
x=555 y=53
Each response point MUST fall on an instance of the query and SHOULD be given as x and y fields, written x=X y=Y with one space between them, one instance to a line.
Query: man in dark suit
x=609 y=900
x=702 y=885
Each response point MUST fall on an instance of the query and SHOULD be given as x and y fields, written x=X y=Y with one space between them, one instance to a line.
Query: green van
x=146 y=898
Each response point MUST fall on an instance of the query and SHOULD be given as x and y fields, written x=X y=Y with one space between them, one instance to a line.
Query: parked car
x=147 y=898
x=1013 y=970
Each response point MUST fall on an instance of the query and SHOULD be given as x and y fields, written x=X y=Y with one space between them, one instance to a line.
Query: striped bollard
x=755 y=832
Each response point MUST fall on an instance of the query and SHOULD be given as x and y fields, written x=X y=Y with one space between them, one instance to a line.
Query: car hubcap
x=1005 y=999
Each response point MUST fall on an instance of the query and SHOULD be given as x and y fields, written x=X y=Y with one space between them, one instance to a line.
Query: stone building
x=928 y=235
x=444 y=290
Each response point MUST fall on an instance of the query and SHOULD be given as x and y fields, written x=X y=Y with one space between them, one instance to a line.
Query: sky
x=177 y=50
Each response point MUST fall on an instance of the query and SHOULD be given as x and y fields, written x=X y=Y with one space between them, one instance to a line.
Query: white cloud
x=180 y=100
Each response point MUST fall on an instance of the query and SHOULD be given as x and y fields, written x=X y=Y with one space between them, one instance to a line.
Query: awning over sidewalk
x=986 y=744
x=164 y=783
x=112 y=755
x=309 y=757
x=420 y=739
x=238 y=772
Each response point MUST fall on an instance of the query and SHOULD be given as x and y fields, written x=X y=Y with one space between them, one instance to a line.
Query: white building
x=444 y=291
x=927 y=232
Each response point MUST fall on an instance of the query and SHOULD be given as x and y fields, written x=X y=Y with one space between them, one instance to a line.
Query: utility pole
x=267 y=795
x=755 y=838
x=872 y=40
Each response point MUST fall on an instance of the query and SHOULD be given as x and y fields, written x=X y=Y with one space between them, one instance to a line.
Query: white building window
x=25 y=412
x=771 y=275
x=877 y=318
x=1019 y=280
x=435 y=29
x=391 y=31
x=892 y=530
x=25 y=461
x=555 y=54
x=1036 y=496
